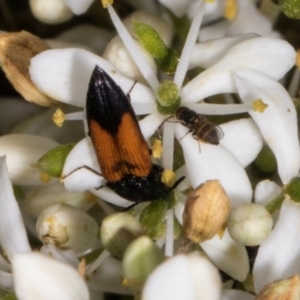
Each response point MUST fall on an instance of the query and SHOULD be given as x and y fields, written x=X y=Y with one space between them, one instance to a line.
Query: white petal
x=41 y=197
x=111 y=197
x=22 y=151
x=228 y=255
x=6 y=281
x=13 y=237
x=236 y=295
x=271 y=265
x=37 y=276
x=208 y=53
x=177 y=7
x=243 y=22
x=183 y=277
x=65 y=74
x=270 y=56
x=214 y=162
x=266 y=191
x=150 y=124
x=278 y=123
x=83 y=154
x=243 y=139
x=78 y=7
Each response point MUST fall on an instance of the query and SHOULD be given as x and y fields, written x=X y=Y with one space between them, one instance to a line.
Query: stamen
x=74 y=116
x=169 y=247
x=220 y=109
x=58 y=117
x=168 y=144
x=189 y=46
x=259 y=106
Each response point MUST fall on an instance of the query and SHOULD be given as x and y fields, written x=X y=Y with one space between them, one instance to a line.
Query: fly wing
x=220 y=132
x=118 y=142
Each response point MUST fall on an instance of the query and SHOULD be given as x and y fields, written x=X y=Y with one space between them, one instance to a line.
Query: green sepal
x=266 y=160
x=291 y=8
x=9 y=296
x=293 y=189
x=154 y=214
x=53 y=161
x=275 y=204
x=140 y=259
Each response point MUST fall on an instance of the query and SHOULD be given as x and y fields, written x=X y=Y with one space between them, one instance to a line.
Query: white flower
x=67 y=227
x=29 y=267
x=37 y=276
x=183 y=277
x=278 y=257
x=68 y=59
x=228 y=62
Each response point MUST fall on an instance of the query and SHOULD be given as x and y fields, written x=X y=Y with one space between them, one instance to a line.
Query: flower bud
x=287 y=289
x=118 y=231
x=163 y=28
x=16 y=51
x=249 y=224
x=166 y=59
x=50 y=12
x=140 y=259
x=153 y=216
x=206 y=211
x=67 y=227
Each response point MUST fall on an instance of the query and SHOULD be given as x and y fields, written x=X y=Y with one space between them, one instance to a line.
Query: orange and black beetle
x=120 y=147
